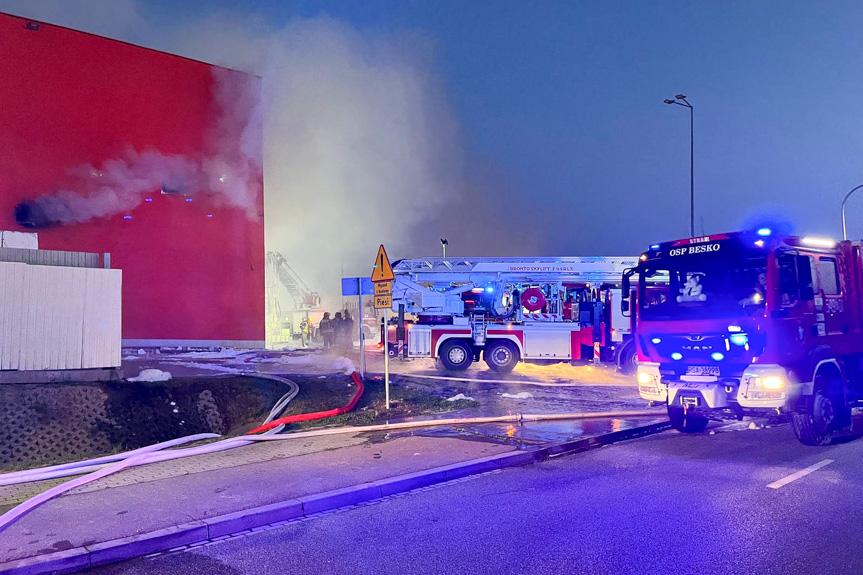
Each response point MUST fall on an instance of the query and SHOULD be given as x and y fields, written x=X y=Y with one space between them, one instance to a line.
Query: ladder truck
x=283 y=322
x=506 y=310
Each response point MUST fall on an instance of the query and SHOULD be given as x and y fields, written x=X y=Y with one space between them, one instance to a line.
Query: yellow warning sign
x=383 y=271
x=383 y=302
x=384 y=288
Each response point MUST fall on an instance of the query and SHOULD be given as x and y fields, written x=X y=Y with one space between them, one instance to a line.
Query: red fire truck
x=748 y=322
x=506 y=310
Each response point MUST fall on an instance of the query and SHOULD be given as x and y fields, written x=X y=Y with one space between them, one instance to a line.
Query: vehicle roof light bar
x=818 y=242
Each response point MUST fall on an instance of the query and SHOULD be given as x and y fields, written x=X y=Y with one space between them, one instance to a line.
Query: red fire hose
x=318 y=414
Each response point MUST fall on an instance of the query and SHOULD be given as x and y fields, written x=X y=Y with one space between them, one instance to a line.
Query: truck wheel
x=686 y=422
x=456 y=355
x=501 y=356
x=627 y=359
x=822 y=414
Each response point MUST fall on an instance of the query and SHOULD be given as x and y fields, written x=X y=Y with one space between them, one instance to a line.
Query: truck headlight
x=770 y=382
x=646 y=378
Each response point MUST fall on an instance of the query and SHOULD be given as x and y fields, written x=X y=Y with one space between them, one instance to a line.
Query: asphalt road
x=665 y=504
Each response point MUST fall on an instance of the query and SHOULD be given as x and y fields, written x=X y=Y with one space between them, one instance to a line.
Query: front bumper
x=716 y=392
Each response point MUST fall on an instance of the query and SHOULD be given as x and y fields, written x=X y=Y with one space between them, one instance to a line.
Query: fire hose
x=97 y=470
x=318 y=414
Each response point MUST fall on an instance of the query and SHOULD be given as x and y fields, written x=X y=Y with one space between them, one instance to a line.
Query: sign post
x=362 y=337
x=359 y=287
x=383 y=276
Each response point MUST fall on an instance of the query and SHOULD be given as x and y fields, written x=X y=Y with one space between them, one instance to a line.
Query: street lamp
x=848 y=195
x=444 y=243
x=681 y=100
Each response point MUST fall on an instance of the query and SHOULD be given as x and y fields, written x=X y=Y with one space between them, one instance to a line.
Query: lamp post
x=444 y=243
x=681 y=100
x=844 y=227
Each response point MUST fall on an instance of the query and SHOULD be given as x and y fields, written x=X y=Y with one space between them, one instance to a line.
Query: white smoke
x=362 y=148
x=361 y=145
x=227 y=168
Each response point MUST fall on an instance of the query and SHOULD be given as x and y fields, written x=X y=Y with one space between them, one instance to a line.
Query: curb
x=221 y=526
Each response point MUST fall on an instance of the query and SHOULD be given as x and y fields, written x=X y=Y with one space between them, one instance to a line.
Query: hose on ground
x=284 y=401
x=24 y=508
x=149 y=455
x=90 y=465
x=79 y=467
x=271 y=429
x=319 y=414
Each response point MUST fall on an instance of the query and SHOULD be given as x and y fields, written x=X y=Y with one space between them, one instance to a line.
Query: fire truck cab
x=506 y=310
x=748 y=322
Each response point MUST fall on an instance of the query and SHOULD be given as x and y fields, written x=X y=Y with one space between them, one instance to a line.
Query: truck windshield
x=702 y=286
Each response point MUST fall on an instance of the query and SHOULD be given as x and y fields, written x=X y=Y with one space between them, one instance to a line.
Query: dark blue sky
x=565 y=99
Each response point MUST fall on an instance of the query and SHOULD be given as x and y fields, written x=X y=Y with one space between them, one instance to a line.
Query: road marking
x=797 y=475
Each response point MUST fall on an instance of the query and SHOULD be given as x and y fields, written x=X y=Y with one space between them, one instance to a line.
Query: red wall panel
x=192 y=270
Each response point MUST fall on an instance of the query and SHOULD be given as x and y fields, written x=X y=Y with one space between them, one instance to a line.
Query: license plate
x=702 y=370
x=689 y=401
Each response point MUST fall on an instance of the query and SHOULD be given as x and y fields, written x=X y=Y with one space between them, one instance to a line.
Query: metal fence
x=50 y=258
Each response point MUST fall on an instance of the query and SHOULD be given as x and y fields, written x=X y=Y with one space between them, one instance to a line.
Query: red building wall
x=193 y=271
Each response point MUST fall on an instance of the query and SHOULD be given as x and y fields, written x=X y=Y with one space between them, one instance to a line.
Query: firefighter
x=347 y=331
x=325 y=327
x=304 y=332
x=312 y=332
x=338 y=330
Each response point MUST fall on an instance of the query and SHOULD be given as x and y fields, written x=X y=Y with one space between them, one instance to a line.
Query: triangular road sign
x=383 y=271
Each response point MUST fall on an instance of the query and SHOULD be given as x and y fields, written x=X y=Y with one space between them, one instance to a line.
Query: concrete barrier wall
x=57 y=318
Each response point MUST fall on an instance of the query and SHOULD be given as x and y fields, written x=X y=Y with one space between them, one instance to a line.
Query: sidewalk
x=167 y=494
x=175 y=503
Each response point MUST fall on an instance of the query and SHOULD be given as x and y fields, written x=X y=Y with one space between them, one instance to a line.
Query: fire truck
x=506 y=310
x=751 y=322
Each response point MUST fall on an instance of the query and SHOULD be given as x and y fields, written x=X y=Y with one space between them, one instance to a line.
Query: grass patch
x=324 y=394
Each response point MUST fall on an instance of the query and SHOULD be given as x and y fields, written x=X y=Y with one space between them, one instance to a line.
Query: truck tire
x=821 y=415
x=501 y=356
x=686 y=422
x=627 y=359
x=456 y=355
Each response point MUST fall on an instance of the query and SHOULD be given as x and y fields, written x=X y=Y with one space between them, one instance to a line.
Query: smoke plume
x=361 y=145
x=225 y=170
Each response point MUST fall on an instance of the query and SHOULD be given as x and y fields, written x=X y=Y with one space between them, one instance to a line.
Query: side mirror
x=624 y=305
x=625 y=287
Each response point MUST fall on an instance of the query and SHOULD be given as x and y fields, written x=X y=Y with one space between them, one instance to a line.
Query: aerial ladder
x=283 y=321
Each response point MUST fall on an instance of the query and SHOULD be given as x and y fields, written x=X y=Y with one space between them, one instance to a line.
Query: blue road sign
x=350 y=286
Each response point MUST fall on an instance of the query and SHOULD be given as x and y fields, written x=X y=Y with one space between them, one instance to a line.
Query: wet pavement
x=531 y=389
x=540 y=432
